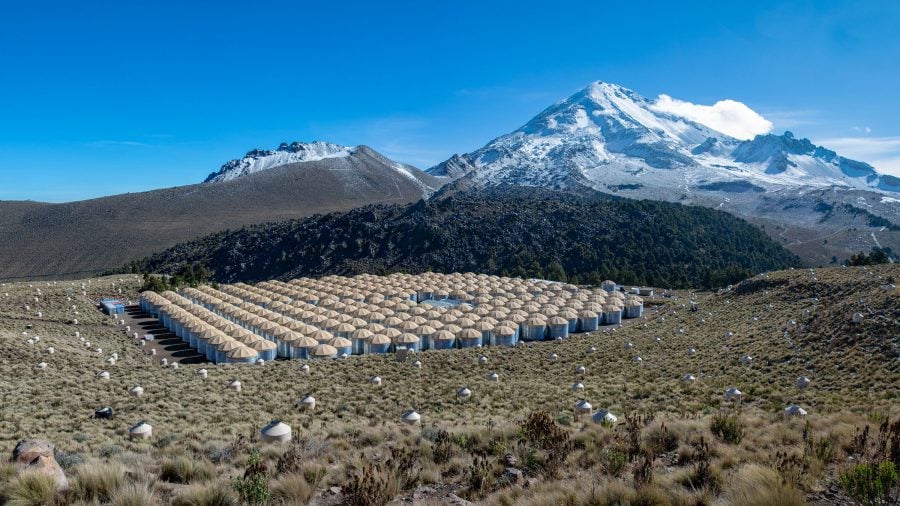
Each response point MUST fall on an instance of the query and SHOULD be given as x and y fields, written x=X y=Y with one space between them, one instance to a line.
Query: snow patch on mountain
x=261 y=159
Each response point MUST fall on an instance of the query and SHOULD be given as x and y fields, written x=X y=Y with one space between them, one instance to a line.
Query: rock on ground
x=37 y=455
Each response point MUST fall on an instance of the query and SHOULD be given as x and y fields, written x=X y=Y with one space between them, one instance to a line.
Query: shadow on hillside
x=166 y=341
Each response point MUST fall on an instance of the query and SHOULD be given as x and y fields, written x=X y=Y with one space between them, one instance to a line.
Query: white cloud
x=727 y=116
x=865 y=130
x=883 y=153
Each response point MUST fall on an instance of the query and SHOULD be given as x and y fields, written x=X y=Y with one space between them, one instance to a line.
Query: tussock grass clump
x=292 y=489
x=754 y=485
x=97 y=482
x=186 y=470
x=133 y=494
x=30 y=489
x=209 y=494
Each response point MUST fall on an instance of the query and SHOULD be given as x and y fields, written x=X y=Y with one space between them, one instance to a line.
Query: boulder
x=514 y=476
x=37 y=455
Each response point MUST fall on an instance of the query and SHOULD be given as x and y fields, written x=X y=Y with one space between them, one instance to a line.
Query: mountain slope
x=611 y=139
x=521 y=231
x=95 y=235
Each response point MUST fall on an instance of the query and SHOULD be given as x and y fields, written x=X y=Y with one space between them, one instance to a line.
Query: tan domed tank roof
x=241 y=352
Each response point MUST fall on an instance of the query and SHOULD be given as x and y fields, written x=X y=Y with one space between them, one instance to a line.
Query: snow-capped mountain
x=261 y=159
x=606 y=136
x=820 y=205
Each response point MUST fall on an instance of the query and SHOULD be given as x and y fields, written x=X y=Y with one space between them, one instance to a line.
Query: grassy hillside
x=518 y=231
x=676 y=446
x=77 y=239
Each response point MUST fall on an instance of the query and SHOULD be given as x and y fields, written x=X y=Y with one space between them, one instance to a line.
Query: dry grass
x=854 y=370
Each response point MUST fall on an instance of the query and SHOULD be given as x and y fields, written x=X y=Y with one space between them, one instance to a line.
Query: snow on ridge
x=606 y=134
x=258 y=160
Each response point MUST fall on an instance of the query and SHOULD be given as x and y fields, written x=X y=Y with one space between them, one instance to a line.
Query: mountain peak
x=261 y=159
x=607 y=136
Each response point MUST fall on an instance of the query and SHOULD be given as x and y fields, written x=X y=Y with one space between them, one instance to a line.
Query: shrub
x=442 y=449
x=728 y=427
x=109 y=451
x=376 y=483
x=67 y=460
x=541 y=431
x=871 y=484
x=478 y=477
x=253 y=486
x=613 y=461
x=371 y=485
x=186 y=470
x=643 y=469
x=794 y=469
x=301 y=450
x=31 y=489
x=660 y=440
x=702 y=476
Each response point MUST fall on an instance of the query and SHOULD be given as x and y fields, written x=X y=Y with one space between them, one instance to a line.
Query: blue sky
x=106 y=97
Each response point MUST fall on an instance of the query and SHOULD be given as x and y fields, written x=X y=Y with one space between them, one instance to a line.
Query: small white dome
x=136 y=391
x=629 y=346
x=692 y=352
x=411 y=417
x=732 y=393
x=305 y=368
x=794 y=410
x=375 y=380
x=464 y=393
x=583 y=406
x=604 y=416
x=276 y=432
x=688 y=378
x=591 y=349
x=577 y=387
x=307 y=402
x=803 y=382
x=580 y=370
x=494 y=377
x=482 y=360
x=140 y=430
x=50 y=350
x=417 y=364
x=203 y=373
x=553 y=357
x=41 y=366
x=104 y=375
x=235 y=385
